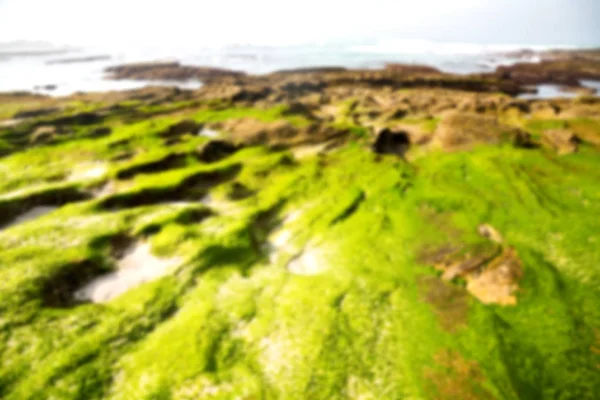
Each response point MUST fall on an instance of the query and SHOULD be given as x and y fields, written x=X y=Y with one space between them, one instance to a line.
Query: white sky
x=217 y=22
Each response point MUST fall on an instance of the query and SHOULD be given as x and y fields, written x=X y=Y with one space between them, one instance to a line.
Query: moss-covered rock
x=281 y=273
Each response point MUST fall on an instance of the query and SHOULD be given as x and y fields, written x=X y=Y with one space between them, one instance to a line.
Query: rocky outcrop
x=249 y=131
x=168 y=71
x=461 y=131
x=563 y=67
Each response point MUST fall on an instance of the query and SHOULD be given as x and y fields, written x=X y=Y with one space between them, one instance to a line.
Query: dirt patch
x=455 y=378
x=137 y=266
x=450 y=303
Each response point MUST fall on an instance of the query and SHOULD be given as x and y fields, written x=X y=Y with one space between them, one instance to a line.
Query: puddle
x=93 y=172
x=209 y=133
x=308 y=263
x=137 y=266
x=551 y=91
x=279 y=241
x=33 y=213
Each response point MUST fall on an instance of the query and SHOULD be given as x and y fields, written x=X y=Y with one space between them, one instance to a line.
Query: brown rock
x=564 y=141
x=43 y=134
x=249 y=131
x=498 y=282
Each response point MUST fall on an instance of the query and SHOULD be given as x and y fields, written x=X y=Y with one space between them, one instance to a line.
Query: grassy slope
x=233 y=323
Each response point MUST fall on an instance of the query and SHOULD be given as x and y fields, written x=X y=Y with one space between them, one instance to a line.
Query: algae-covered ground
x=314 y=271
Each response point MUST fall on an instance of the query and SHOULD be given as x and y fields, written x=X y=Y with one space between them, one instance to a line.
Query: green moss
x=345 y=307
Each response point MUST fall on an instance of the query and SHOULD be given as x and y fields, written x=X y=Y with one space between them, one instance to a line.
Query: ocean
x=58 y=70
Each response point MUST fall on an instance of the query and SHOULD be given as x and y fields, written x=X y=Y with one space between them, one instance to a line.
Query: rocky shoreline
x=561 y=67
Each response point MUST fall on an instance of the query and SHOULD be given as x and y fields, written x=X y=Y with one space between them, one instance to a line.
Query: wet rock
x=564 y=141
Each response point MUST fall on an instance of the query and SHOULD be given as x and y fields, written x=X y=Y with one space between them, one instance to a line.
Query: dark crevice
x=57 y=291
x=350 y=209
x=10 y=209
x=170 y=161
x=193 y=187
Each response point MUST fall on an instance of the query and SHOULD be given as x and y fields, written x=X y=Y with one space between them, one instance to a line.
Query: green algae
x=372 y=320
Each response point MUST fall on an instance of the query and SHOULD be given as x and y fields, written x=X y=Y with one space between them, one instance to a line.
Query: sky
x=278 y=22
